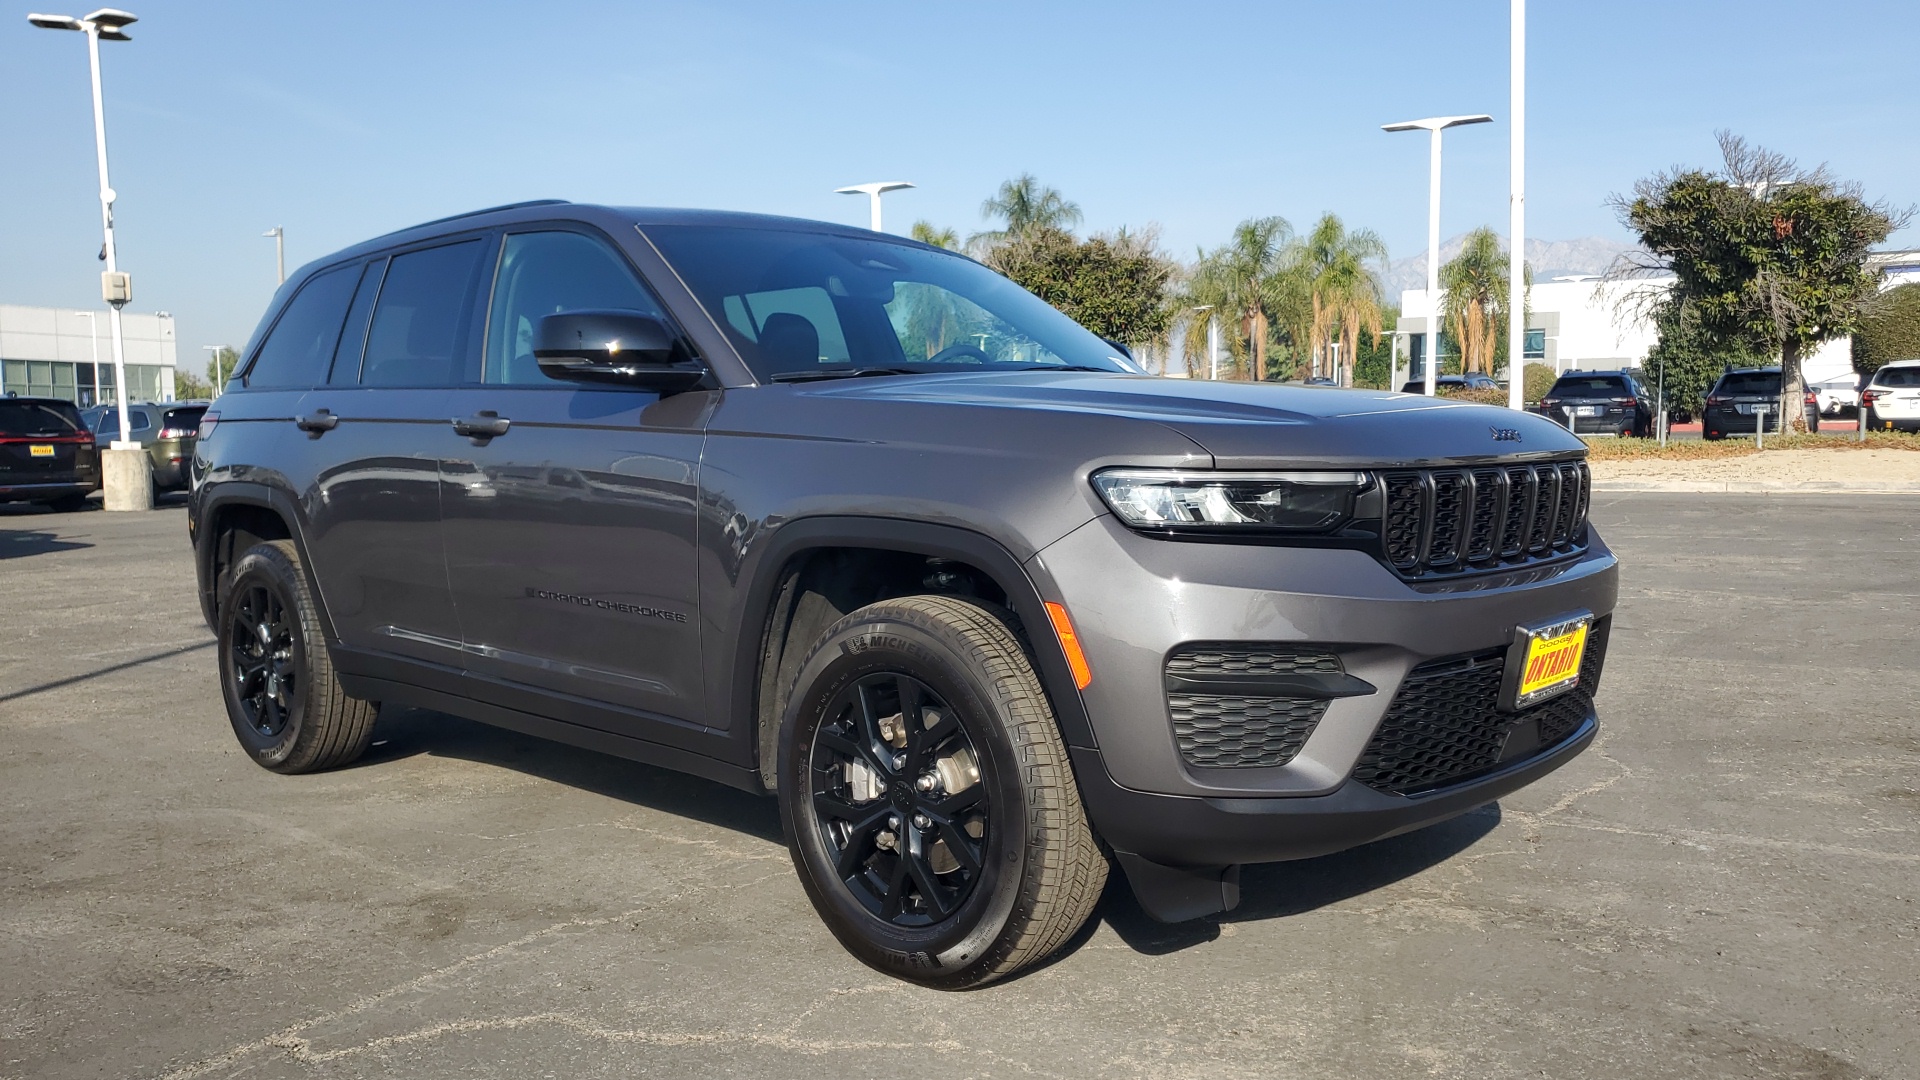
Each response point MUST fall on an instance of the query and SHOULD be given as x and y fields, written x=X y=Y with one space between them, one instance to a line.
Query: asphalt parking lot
x=1723 y=887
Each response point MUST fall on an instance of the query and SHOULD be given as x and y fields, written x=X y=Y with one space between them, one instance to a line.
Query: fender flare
x=1027 y=587
x=211 y=501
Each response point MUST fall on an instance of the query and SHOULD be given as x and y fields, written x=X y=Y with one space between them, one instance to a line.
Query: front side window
x=300 y=345
x=419 y=322
x=807 y=305
x=545 y=273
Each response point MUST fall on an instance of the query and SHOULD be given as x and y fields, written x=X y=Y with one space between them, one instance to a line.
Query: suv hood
x=1250 y=425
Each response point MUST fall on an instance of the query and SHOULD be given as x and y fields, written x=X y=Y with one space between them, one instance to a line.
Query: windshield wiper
x=837 y=373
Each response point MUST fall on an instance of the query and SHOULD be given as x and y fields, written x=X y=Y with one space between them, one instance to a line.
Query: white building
x=50 y=352
x=1581 y=322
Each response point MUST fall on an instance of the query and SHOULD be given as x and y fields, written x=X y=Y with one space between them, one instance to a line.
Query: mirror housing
x=623 y=348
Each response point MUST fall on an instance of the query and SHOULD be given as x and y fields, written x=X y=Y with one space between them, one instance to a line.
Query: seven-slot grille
x=1445 y=724
x=1452 y=521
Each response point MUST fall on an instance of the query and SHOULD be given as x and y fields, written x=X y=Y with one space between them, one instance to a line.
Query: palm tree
x=1023 y=203
x=1246 y=282
x=1475 y=301
x=928 y=233
x=1344 y=293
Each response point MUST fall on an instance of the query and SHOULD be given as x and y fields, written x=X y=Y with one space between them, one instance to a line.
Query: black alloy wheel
x=899 y=800
x=262 y=652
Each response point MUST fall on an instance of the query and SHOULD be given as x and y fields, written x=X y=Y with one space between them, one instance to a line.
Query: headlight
x=1230 y=501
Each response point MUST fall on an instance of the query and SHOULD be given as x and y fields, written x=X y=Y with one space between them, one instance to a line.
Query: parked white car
x=1837 y=395
x=1893 y=397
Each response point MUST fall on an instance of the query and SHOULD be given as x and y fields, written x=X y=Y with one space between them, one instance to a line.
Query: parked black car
x=1600 y=403
x=46 y=453
x=1474 y=381
x=854 y=520
x=1742 y=396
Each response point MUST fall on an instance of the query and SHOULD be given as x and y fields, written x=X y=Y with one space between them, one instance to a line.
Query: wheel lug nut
x=921 y=821
x=899 y=761
x=926 y=782
x=893 y=821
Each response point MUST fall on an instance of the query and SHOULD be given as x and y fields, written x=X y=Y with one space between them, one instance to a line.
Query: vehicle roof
x=1583 y=372
x=1774 y=370
x=1898 y=363
x=37 y=400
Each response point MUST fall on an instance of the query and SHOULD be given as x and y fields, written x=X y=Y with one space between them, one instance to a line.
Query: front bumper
x=1184 y=831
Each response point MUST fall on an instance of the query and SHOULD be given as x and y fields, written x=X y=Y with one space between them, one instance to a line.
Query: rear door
x=42 y=442
x=570 y=535
x=367 y=455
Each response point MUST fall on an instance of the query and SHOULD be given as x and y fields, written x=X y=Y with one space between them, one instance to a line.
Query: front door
x=570 y=533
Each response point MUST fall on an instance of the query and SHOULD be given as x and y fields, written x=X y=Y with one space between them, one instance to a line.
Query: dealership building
x=1581 y=322
x=56 y=352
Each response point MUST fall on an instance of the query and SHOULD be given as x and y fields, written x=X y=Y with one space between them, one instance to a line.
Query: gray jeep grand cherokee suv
x=811 y=510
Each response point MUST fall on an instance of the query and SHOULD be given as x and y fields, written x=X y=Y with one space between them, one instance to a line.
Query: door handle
x=482 y=426
x=317 y=423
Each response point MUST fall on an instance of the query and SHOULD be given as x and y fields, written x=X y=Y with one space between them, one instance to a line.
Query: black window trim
x=243 y=371
x=470 y=304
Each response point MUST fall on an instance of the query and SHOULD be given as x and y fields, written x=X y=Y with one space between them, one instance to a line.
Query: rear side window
x=300 y=346
x=544 y=273
x=1897 y=376
x=37 y=418
x=419 y=322
x=1752 y=382
x=109 y=422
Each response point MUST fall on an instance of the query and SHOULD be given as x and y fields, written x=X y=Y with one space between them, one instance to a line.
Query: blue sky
x=341 y=120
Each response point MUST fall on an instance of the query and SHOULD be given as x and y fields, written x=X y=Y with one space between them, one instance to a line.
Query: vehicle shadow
x=403 y=732
x=1280 y=890
x=22 y=543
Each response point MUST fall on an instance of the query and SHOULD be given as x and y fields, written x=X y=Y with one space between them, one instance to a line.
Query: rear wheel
x=283 y=699
x=927 y=798
x=68 y=504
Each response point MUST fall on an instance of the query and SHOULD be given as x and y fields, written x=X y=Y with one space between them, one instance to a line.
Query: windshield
x=805 y=305
x=1764 y=383
x=36 y=418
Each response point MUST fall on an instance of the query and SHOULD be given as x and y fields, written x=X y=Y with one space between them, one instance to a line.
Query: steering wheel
x=959 y=349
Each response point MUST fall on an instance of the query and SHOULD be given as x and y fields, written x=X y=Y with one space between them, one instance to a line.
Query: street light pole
x=1517 y=212
x=130 y=489
x=279 y=234
x=1434 y=125
x=219 y=383
x=873 y=192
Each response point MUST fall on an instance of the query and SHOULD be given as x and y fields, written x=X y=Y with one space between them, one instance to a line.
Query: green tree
x=1374 y=361
x=1245 y=283
x=1344 y=296
x=928 y=233
x=1115 y=286
x=189 y=387
x=1536 y=380
x=1475 y=305
x=1764 y=253
x=1024 y=203
x=1688 y=358
x=1890 y=330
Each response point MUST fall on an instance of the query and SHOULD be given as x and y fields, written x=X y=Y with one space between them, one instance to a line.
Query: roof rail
x=477 y=213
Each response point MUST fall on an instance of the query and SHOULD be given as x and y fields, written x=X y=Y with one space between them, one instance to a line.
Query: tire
x=1037 y=871
x=68 y=504
x=282 y=696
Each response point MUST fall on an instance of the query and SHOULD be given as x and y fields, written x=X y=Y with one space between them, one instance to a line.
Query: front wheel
x=927 y=798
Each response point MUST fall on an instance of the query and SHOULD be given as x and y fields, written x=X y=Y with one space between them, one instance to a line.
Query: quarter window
x=420 y=319
x=545 y=273
x=300 y=346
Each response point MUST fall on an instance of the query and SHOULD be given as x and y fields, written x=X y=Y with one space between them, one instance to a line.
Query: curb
x=1759 y=487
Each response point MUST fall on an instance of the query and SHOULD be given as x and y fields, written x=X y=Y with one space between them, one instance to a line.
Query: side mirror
x=624 y=348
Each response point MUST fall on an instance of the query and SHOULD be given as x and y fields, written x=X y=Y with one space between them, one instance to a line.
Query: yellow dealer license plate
x=41 y=450
x=1547 y=656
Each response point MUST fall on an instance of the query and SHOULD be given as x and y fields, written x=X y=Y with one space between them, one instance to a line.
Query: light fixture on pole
x=129 y=483
x=1517 y=212
x=1434 y=125
x=873 y=192
x=219 y=376
x=279 y=234
x=93 y=334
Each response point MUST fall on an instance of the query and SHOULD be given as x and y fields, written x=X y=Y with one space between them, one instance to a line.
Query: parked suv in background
x=1742 y=396
x=1474 y=381
x=46 y=454
x=1600 y=403
x=1892 y=397
x=165 y=431
x=812 y=510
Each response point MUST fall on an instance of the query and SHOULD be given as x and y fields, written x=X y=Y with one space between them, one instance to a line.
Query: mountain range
x=1549 y=258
